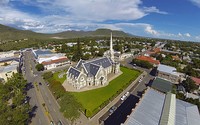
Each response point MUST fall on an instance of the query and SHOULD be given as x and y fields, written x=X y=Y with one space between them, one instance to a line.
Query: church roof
x=94 y=69
x=73 y=71
x=104 y=62
x=80 y=63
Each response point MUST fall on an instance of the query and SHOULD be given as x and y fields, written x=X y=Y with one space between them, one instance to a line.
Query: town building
x=55 y=62
x=168 y=73
x=7 y=71
x=9 y=64
x=196 y=81
x=149 y=59
x=156 y=108
x=93 y=72
x=49 y=59
x=161 y=85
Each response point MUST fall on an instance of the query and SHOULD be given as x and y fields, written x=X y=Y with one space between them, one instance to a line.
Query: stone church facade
x=93 y=72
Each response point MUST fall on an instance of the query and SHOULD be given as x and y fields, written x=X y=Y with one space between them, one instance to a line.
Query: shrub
x=47 y=75
x=39 y=67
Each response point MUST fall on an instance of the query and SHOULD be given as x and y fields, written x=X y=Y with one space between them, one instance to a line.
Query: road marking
x=54 y=110
x=46 y=94
x=39 y=121
x=49 y=101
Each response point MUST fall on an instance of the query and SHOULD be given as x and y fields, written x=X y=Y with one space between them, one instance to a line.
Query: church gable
x=73 y=73
x=101 y=73
x=79 y=64
x=94 y=69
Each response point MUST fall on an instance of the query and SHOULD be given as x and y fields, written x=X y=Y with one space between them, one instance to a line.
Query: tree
x=142 y=63
x=189 y=85
x=39 y=67
x=47 y=75
x=13 y=110
x=190 y=71
x=78 y=53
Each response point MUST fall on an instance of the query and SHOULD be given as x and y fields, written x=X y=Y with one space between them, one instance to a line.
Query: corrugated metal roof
x=162 y=85
x=148 y=111
x=169 y=110
x=167 y=69
x=186 y=113
x=9 y=59
x=41 y=52
x=8 y=68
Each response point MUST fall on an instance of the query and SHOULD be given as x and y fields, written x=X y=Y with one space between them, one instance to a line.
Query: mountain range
x=10 y=33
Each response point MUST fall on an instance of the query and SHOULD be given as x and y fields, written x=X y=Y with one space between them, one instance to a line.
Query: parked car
x=51 y=123
x=60 y=123
x=123 y=98
x=47 y=84
x=127 y=94
x=112 y=109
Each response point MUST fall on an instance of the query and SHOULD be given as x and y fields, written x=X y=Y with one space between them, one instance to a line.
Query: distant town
x=107 y=80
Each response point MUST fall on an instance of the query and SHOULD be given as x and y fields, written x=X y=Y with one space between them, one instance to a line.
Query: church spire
x=111 y=48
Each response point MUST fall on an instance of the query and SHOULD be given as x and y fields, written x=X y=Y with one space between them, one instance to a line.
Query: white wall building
x=7 y=71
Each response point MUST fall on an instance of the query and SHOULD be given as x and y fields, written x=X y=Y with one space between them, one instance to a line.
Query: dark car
x=40 y=83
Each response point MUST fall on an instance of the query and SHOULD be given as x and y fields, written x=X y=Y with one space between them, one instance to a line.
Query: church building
x=93 y=72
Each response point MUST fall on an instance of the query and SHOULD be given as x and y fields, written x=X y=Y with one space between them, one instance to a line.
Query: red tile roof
x=196 y=80
x=55 y=61
x=175 y=58
x=156 y=50
x=149 y=59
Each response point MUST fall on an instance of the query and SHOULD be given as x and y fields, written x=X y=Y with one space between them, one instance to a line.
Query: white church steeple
x=111 y=48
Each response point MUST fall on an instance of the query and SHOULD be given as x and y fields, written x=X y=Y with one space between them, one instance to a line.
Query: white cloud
x=187 y=34
x=62 y=15
x=154 y=9
x=179 y=34
x=3 y=2
x=196 y=2
x=150 y=30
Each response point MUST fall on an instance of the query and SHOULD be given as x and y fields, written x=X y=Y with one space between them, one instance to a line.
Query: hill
x=96 y=33
x=9 y=33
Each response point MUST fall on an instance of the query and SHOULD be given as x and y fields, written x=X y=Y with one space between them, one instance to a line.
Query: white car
x=123 y=98
x=127 y=94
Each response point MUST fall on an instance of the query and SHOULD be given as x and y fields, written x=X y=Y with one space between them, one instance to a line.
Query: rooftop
x=59 y=60
x=42 y=52
x=4 y=69
x=167 y=69
x=158 y=108
x=161 y=85
x=196 y=80
x=149 y=59
x=6 y=59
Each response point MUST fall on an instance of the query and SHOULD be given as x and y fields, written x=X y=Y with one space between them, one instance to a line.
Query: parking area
x=122 y=109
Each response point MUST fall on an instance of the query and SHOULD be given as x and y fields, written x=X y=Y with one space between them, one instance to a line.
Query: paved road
x=46 y=97
x=40 y=118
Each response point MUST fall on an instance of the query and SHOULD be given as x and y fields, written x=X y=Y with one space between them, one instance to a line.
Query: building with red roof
x=55 y=62
x=196 y=80
x=149 y=59
x=154 y=51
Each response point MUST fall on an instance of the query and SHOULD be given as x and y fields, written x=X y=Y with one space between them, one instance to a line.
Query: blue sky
x=171 y=19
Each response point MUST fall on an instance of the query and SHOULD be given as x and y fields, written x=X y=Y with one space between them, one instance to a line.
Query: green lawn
x=61 y=80
x=93 y=99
